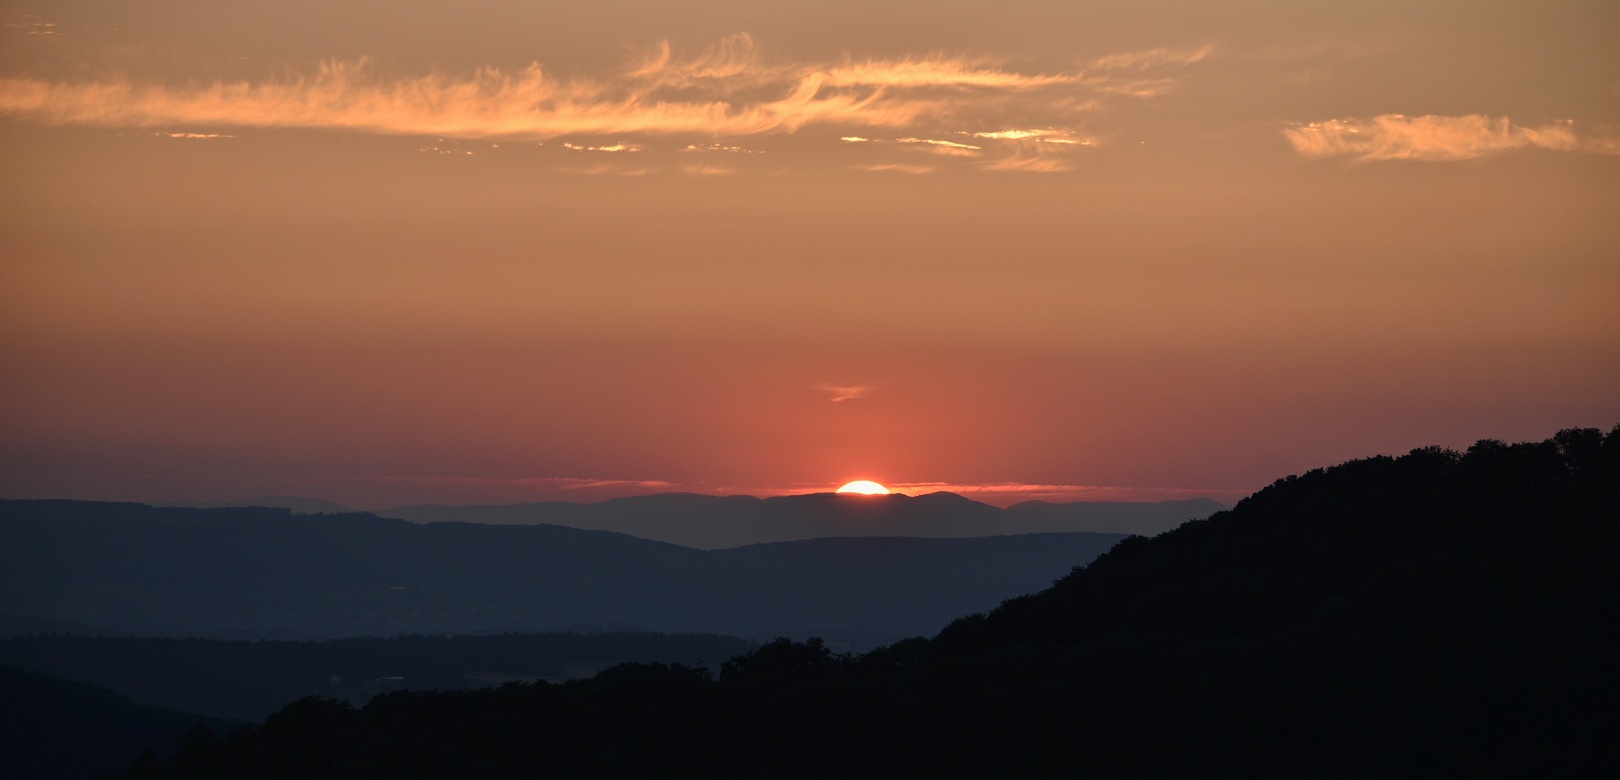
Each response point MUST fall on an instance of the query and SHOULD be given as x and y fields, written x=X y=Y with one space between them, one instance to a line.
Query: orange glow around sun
x=864 y=487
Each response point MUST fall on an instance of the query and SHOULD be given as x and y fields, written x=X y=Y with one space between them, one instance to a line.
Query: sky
x=493 y=251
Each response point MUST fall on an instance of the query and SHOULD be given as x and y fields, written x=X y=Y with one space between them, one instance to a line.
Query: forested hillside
x=1436 y=614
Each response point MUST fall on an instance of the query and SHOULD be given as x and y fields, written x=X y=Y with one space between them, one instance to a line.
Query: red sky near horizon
x=403 y=252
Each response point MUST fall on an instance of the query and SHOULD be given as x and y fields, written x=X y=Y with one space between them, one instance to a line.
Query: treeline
x=249 y=680
x=1437 y=614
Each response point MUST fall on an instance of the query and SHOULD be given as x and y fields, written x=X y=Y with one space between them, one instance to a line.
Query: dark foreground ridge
x=1437 y=614
x=52 y=728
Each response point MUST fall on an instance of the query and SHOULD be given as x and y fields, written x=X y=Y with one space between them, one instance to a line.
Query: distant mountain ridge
x=264 y=573
x=715 y=522
x=299 y=505
x=248 y=680
x=1440 y=614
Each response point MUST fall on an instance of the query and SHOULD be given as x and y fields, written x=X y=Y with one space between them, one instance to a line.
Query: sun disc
x=864 y=487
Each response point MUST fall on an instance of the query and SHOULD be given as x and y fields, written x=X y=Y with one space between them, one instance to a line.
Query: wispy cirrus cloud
x=609 y=170
x=1040 y=150
x=1142 y=74
x=726 y=91
x=730 y=149
x=707 y=170
x=734 y=60
x=939 y=72
x=1043 y=135
x=1030 y=150
x=937 y=146
x=609 y=148
x=915 y=170
x=837 y=393
x=529 y=104
x=1437 y=138
x=47 y=29
x=1027 y=161
x=1152 y=58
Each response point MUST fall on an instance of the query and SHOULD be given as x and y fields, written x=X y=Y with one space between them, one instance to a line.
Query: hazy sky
x=493 y=251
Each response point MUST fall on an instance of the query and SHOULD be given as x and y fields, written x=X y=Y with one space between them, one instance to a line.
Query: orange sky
x=396 y=252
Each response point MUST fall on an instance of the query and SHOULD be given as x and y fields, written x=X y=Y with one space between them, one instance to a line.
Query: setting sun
x=864 y=487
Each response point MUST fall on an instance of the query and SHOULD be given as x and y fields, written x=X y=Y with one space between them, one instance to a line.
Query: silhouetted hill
x=51 y=728
x=713 y=522
x=1360 y=530
x=267 y=573
x=249 y=680
x=1437 y=613
x=1434 y=615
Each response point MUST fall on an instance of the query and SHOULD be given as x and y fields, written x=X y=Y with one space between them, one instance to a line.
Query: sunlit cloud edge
x=1437 y=138
x=716 y=93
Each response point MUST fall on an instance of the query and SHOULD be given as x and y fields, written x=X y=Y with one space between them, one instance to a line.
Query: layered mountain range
x=1441 y=614
x=267 y=573
x=713 y=522
x=1436 y=614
